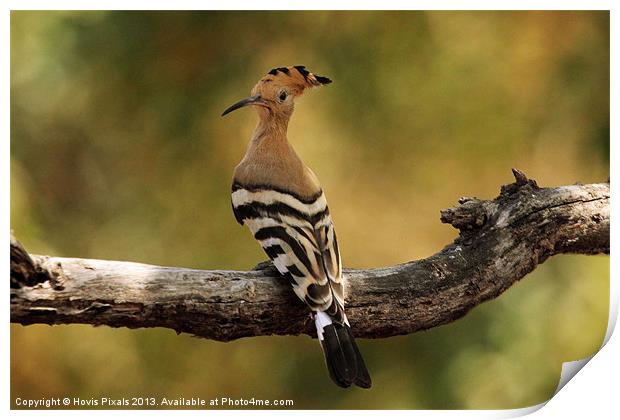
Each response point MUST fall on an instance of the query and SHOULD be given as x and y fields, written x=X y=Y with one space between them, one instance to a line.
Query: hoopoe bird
x=282 y=203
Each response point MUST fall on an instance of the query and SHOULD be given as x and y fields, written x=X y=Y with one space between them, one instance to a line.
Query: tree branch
x=500 y=241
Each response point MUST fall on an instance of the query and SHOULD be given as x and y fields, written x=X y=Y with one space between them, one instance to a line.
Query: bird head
x=274 y=94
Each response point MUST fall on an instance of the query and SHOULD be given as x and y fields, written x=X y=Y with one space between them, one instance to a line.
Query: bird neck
x=271 y=160
x=270 y=129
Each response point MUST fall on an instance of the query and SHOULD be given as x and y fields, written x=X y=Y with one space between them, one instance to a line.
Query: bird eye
x=282 y=96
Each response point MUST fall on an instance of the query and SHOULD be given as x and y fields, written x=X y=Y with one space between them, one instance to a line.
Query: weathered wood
x=500 y=241
x=24 y=272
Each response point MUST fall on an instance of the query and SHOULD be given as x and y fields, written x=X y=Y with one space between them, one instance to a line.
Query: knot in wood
x=24 y=272
x=471 y=214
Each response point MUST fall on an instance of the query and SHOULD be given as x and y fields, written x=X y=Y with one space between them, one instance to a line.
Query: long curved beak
x=252 y=100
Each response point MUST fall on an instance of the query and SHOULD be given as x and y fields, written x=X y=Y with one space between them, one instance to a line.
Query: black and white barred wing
x=298 y=235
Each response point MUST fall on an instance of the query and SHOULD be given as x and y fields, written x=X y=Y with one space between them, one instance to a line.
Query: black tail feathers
x=343 y=358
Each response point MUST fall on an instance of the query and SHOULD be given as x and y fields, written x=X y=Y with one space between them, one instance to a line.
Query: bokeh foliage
x=118 y=152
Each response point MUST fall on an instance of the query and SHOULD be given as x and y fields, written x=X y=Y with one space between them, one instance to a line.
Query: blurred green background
x=118 y=151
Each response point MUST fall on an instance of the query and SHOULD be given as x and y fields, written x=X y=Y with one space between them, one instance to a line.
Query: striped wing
x=298 y=235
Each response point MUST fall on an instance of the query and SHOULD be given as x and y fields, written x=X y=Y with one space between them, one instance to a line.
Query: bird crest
x=294 y=76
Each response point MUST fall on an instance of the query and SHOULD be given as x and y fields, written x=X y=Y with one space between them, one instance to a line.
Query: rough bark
x=500 y=241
